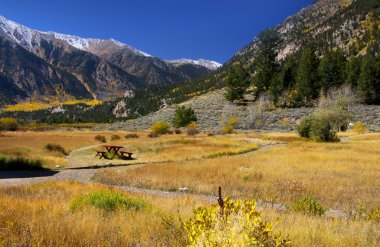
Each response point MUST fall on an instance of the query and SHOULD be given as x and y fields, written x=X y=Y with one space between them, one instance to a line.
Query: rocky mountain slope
x=103 y=68
x=327 y=23
x=25 y=75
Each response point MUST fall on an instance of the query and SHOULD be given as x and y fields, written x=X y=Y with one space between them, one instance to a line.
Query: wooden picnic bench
x=115 y=151
x=126 y=154
x=102 y=154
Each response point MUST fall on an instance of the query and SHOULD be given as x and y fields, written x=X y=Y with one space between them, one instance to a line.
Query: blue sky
x=171 y=29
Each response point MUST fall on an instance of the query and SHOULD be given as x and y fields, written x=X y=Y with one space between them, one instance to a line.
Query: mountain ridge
x=104 y=68
x=25 y=38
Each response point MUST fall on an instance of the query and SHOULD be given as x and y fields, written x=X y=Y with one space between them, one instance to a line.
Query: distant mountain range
x=48 y=66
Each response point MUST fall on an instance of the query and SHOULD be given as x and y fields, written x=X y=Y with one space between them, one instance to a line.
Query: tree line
x=302 y=77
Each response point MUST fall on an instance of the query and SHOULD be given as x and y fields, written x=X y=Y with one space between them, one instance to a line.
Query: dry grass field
x=40 y=216
x=275 y=167
x=339 y=174
x=82 y=146
x=30 y=144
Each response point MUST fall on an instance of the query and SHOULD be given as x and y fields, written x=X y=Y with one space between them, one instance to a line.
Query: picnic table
x=115 y=151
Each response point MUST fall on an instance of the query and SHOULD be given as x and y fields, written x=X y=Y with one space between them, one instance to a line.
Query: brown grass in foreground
x=40 y=215
x=339 y=174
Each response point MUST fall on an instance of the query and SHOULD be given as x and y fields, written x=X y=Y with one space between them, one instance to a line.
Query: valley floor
x=176 y=173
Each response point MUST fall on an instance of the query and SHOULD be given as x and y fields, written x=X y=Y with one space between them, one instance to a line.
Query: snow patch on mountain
x=211 y=65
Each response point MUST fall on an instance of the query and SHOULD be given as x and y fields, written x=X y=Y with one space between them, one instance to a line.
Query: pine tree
x=331 y=70
x=276 y=87
x=237 y=82
x=266 y=65
x=353 y=71
x=289 y=73
x=307 y=74
x=184 y=116
x=369 y=81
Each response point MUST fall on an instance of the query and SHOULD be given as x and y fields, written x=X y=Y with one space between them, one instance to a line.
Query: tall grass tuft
x=19 y=163
x=107 y=200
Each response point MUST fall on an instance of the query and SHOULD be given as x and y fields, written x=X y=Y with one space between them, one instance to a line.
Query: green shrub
x=192 y=129
x=238 y=224
x=115 y=137
x=131 y=136
x=303 y=127
x=308 y=205
x=184 y=116
x=107 y=200
x=160 y=128
x=55 y=148
x=100 y=138
x=9 y=124
x=322 y=127
x=19 y=163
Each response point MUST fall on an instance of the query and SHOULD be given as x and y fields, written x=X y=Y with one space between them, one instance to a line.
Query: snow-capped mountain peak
x=19 y=33
x=75 y=41
x=28 y=37
x=211 y=65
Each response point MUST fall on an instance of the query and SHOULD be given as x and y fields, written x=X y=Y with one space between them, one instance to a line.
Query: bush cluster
x=323 y=124
x=236 y=224
x=308 y=205
x=8 y=124
x=115 y=137
x=160 y=128
x=100 y=138
x=131 y=136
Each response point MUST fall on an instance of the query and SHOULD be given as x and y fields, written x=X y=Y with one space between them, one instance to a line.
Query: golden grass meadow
x=173 y=174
